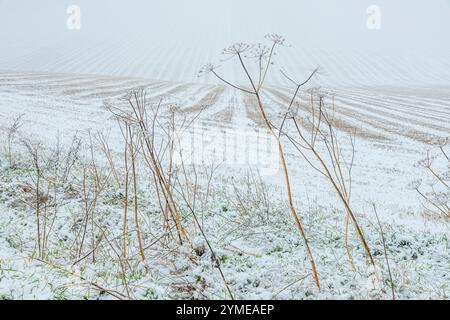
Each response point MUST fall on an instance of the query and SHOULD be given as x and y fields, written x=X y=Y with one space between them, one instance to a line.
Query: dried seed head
x=206 y=69
x=174 y=108
x=260 y=51
x=413 y=185
x=276 y=39
x=237 y=48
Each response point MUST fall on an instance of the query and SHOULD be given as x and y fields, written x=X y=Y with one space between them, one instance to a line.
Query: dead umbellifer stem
x=293 y=210
x=340 y=194
x=38 y=213
x=135 y=188
x=347 y=247
x=294 y=213
x=125 y=214
x=270 y=127
x=385 y=252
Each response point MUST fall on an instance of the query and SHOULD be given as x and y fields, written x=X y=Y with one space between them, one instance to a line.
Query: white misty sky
x=34 y=33
x=328 y=23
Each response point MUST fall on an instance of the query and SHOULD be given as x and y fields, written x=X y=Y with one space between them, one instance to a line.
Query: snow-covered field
x=262 y=254
x=75 y=224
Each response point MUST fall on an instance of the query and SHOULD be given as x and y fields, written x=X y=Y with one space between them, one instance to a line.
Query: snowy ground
x=261 y=253
x=395 y=127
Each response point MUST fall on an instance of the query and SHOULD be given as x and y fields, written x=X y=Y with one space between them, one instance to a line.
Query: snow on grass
x=261 y=254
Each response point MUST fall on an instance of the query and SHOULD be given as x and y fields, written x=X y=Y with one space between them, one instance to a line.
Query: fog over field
x=172 y=39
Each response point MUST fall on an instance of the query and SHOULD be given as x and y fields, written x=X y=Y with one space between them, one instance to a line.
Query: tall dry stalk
x=385 y=252
x=125 y=201
x=130 y=161
x=319 y=141
x=93 y=182
x=11 y=133
x=34 y=151
x=264 y=57
x=104 y=146
x=133 y=152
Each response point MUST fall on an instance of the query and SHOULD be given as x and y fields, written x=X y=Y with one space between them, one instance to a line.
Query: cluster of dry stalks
x=79 y=174
x=49 y=176
x=317 y=141
x=436 y=195
x=146 y=136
